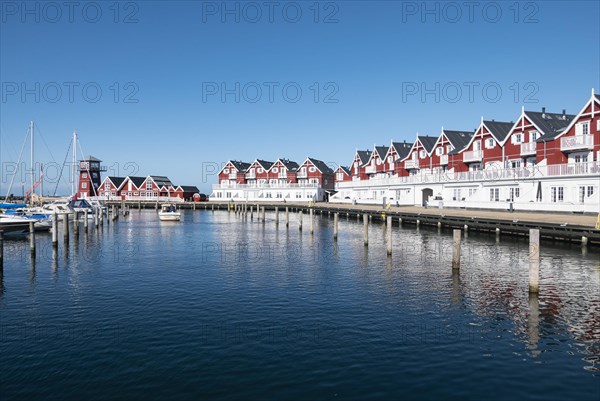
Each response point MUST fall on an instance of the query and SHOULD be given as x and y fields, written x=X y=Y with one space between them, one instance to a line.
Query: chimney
x=564 y=116
x=543 y=112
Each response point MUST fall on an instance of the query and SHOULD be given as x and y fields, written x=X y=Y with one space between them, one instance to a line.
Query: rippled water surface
x=225 y=308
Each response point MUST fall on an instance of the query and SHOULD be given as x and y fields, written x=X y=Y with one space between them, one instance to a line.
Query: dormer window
x=517 y=139
x=582 y=128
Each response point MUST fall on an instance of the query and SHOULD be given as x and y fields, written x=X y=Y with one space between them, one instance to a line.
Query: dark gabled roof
x=428 y=142
x=91 y=159
x=381 y=150
x=402 y=148
x=551 y=124
x=498 y=129
x=239 y=165
x=344 y=169
x=290 y=165
x=265 y=164
x=324 y=168
x=137 y=181
x=189 y=188
x=459 y=139
x=161 y=180
x=117 y=181
x=364 y=156
x=597 y=97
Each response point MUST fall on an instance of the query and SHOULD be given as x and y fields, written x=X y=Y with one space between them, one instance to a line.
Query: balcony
x=578 y=142
x=443 y=160
x=411 y=164
x=528 y=148
x=370 y=170
x=473 y=156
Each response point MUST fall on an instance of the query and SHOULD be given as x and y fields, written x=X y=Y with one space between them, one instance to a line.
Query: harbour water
x=222 y=307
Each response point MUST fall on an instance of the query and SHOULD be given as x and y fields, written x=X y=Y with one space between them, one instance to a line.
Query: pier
x=578 y=228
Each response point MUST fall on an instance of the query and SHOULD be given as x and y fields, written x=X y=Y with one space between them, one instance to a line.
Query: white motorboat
x=14 y=224
x=168 y=212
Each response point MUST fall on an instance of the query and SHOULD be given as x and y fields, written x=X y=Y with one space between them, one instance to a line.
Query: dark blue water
x=217 y=307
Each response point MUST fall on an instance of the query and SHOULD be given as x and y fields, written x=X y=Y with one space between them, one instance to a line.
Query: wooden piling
x=1 y=249
x=251 y=212
x=418 y=222
x=389 y=234
x=366 y=229
x=335 y=225
x=32 y=236
x=85 y=219
x=287 y=217
x=456 y=238
x=263 y=214
x=54 y=230
x=311 y=222
x=96 y=223
x=66 y=227
x=276 y=216
x=534 y=261
x=76 y=224
x=400 y=221
x=300 y=219
x=584 y=240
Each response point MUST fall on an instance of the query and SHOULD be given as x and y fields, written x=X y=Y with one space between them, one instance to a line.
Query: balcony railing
x=301 y=174
x=278 y=185
x=473 y=156
x=490 y=174
x=577 y=142
x=411 y=164
x=528 y=148
x=443 y=160
x=250 y=176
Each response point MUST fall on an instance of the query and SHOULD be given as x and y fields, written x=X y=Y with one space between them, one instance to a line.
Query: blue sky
x=162 y=66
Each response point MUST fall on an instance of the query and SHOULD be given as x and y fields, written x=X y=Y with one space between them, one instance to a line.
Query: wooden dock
x=560 y=227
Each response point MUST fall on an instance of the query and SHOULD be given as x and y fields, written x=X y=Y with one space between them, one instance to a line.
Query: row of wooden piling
x=534 y=237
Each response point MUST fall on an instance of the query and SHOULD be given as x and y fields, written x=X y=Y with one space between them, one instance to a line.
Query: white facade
x=573 y=187
x=268 y=192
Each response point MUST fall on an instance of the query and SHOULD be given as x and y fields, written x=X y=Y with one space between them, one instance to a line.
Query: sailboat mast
x=74 y=162
x=31 y=161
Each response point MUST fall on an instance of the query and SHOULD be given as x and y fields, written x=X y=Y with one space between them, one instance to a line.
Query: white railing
x=301 y=174
x=577 y=142
x=443 y=159
x=528 y=148
x=250 y=176
x=370 y=170
x=473 y=156
x=265 y=186
x=411 y=164
x=153 y=198
x=489 y=174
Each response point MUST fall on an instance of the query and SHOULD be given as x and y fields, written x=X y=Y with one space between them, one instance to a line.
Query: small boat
x=14 y=224
x=42 y=222
x=168 y=212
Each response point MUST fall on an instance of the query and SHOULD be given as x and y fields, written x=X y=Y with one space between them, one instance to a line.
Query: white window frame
x=490 y=143
x=422 y=154
x=275 y=169
x=439 y=151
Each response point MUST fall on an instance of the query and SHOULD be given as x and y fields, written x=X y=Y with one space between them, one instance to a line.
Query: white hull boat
x=168 y=212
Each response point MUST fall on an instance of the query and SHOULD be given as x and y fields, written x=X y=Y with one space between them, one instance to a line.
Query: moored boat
x=168 y=212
